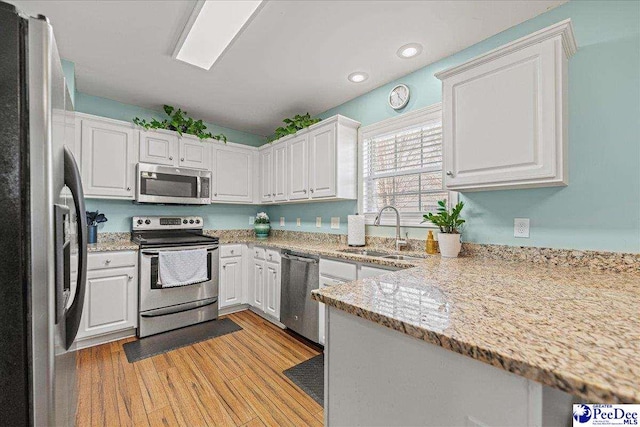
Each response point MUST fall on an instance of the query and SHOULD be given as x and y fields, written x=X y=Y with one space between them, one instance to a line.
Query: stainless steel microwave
x=172 y=185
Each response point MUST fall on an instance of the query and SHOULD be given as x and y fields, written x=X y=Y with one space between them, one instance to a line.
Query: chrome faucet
x=399 y=242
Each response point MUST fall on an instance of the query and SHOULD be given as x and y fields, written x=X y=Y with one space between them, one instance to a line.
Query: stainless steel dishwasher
x=300 y=275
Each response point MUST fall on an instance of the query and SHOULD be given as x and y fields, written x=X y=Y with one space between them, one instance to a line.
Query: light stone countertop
x=572 y=328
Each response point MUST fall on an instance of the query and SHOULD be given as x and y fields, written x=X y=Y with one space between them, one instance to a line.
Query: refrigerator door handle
x=74 y=182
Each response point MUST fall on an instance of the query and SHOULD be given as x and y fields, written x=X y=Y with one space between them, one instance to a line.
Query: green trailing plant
x=179 y=121
x=447 y=221
x=293 y=125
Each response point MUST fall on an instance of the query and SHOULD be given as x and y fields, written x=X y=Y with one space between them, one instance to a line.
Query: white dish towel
x=180 y=268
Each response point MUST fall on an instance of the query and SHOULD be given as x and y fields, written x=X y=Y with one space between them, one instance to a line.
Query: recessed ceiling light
x=211 y=28
x=409 y=50
x=358 y=76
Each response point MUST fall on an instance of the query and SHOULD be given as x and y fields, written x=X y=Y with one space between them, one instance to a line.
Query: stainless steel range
x=164 y=308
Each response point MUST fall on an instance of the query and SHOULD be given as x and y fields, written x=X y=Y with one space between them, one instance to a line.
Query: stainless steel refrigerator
x=42 y=228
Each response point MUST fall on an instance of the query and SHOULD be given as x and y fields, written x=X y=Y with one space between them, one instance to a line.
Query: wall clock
x=399 y=97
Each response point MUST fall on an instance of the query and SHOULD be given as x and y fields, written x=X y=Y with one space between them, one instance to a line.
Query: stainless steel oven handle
x=181 y=248
x=198 y=187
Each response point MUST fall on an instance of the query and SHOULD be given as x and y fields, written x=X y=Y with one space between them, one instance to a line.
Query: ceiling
x=293 y=57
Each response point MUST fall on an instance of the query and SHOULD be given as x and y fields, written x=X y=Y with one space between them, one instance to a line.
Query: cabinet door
x=230 y=281
x=111 y=301
x=322 y=162
x=108 y=159
x=500 y=121
x=159 y=148
x=195 y=153
x=257 y=285
x=266 y=175
x=233 y=171
x=280 y=169
x=298 y=181
x=324 y=282
x=272 y=289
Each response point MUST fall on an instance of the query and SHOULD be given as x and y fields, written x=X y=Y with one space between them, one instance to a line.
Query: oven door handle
x=179 y=308
x=184 y=248
x=198 y=187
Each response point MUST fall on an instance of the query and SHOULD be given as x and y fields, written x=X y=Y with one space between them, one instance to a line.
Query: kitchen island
x=475 y=341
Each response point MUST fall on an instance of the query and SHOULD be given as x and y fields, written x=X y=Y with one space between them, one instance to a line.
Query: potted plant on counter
x=261 y=225
x=93 y=219
x=449 y=222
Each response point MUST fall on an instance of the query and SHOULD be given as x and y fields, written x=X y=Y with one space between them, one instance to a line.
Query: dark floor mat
x=167 y=341
x=309 y=376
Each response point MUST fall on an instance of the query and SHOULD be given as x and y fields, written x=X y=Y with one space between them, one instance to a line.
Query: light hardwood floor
x=232 y=380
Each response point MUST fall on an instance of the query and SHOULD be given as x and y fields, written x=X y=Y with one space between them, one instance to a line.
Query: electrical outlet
x=318 y=221
x=252 y=220
x=281 y=221
x=335 y=222
x=298 y=222
x=521 y=227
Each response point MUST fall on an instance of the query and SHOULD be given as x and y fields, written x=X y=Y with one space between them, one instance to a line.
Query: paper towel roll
x=355 y=230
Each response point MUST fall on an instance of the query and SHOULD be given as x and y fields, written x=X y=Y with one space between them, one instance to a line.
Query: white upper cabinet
x=505 y=114
x=159 y=147
x=298 y=181
x=233 y=173
x=194 y=153
x=280 y=168
x=266 y=174
x=322 y=161
x=108 y=159
x=168 y=148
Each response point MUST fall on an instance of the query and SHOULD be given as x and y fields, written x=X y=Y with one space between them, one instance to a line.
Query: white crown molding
x=564 y=29
x=415 y=117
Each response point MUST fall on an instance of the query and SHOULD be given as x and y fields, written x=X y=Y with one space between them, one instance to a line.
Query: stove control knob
x=139 y=222
x=184 y=221
x=190 y=221
x=197 y=221
x=147 y=221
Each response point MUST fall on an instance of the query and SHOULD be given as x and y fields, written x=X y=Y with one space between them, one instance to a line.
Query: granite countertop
x=111 y=246
x=574 y=329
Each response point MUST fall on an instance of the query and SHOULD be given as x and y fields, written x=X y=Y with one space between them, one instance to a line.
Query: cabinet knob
x=182 y=159
x=311 y=190
x=170 y=157
x=224 y=267
x=130 y=277
x=232 y=251
x=274 y=194
x=304 y=191
x=215 y=194
x=128 y=188
x=108 y=261
x=449 y=173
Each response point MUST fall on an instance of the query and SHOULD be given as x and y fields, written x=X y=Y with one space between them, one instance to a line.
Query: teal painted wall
x=600 y=209
x=216 y=217
x=307 y=212
x=69 y=70
x=117 y=110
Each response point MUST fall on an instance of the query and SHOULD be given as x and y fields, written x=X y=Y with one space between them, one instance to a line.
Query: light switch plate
x=281 y=221
x=252 y=220
x=335 y=222
x=521 y=227
x=318 y=221
x=298 y=222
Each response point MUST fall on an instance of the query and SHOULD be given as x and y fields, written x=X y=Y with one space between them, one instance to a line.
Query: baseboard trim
x=232 y=309
x=105 y=338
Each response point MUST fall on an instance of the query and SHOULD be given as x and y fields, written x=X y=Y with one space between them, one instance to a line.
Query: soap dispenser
x=431 y=245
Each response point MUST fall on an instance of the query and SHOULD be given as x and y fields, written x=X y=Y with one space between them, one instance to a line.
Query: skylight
x=212 y=27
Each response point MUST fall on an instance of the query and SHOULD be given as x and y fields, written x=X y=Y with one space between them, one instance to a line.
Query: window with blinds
x=402 y=166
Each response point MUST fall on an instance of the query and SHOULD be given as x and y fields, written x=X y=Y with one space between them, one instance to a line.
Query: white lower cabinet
x=230 y=290
x=256 y=288
x=272 y=289
x=265 y=282
x=111 y=298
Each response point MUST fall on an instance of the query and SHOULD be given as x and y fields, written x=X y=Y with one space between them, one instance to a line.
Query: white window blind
x=402 y=166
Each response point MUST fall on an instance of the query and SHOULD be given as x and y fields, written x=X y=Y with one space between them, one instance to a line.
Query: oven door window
x=154 y=271
x=167 y=185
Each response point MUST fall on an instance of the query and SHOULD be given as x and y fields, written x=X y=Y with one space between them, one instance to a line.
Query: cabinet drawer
x=230 y=250
x=338 y=269
x=273 y=255
x=97 y=261
x=259 y=253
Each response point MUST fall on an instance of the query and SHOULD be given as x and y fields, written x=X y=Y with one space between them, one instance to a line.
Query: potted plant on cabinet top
x=93 y=219
x=449 y=222
x=261 y=225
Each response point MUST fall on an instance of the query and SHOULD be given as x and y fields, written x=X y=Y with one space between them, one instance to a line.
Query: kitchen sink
x=401 y=257
x=365 y=252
